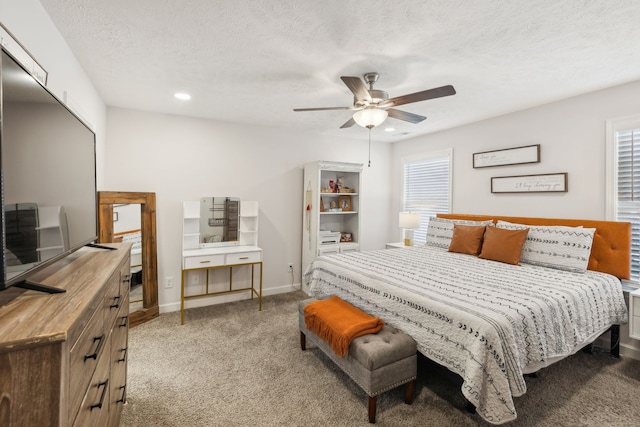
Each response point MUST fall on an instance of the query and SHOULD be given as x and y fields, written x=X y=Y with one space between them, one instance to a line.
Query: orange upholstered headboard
x=611 y=249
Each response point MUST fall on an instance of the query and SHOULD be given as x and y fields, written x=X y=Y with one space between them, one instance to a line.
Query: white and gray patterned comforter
x=486 y=321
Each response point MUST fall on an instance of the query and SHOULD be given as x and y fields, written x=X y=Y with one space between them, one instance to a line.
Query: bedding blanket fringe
x=337 y=323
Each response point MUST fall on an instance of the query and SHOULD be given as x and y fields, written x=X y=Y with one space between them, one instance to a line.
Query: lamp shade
x=370 y=117
x=409 y=220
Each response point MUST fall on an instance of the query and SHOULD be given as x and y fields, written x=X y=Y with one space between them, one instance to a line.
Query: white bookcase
x=318 y=214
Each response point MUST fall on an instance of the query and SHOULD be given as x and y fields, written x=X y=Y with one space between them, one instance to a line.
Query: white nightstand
x=394 y=245
x=634 y=314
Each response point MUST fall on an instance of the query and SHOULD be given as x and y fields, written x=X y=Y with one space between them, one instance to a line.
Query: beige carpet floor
x=232 y=365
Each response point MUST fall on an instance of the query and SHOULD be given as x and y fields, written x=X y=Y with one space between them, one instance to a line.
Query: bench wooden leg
x=372 y=409
x=303 y=341
x=408 y=392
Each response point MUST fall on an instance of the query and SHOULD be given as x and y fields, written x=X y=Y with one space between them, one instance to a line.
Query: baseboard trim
x=221 y=299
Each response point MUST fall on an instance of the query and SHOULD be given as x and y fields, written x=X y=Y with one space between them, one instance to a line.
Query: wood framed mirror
x=147 y=202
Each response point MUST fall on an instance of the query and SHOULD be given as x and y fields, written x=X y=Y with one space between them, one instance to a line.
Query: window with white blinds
x=426 y=188
x=627 y=188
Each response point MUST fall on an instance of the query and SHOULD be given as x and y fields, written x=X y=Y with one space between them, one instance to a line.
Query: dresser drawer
x=113 y=301
x=94 y=408
x=203 y=261
x=244 y=258
x=83 y=360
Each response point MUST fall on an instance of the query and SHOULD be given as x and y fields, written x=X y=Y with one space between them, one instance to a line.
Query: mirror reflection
x=127 y=228
x=219 y=221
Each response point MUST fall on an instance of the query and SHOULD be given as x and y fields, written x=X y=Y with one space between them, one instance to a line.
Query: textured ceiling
x=253 y=61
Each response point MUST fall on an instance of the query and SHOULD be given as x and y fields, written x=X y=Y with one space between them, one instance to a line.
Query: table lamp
x=409 y=221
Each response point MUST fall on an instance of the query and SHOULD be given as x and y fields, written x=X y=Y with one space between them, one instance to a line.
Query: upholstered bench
x=376 y=362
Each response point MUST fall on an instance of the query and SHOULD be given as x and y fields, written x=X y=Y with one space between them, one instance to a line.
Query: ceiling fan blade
x=358 y=88
x=403 y=115
x=438 y=92
x=326 y=108
x=348 y=124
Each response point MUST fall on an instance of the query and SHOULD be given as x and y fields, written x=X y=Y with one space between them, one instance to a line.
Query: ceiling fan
x=372 y=106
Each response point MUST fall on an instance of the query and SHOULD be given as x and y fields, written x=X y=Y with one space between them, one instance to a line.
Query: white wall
x=32 y=27
x=572 y=138
x=181 y=158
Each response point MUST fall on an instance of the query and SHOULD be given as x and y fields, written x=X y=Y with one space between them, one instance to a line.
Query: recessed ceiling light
x=389 y=129
x=182 y=96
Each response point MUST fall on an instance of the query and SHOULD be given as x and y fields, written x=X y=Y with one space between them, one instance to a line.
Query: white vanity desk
x=221 y=257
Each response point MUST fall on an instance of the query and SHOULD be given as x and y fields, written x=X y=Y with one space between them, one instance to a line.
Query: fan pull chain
x=369 y=148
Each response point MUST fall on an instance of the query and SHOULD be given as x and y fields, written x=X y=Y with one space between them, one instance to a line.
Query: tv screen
x=48 y=164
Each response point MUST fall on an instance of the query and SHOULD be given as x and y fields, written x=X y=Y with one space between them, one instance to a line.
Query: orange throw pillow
x=503 y=245
x=467 y=239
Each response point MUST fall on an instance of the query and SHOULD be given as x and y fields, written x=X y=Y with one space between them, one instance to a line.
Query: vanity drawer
x=244 y=258
x=203 y=261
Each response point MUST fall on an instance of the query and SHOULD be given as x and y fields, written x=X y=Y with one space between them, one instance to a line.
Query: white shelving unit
x=317 y=193
x=191 y=225
x=52 y=232
x=249 y=223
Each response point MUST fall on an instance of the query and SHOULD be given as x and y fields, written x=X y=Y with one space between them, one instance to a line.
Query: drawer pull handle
x=124 y=320
x=124 y=355
x=104 y=392
x=124 y=393
x=205 y=261
x=126 y=278
x=94 y=355
x=116 y=302
x=244 y=257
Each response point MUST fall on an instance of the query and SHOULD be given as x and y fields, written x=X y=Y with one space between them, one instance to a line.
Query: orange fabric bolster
x=337 y=323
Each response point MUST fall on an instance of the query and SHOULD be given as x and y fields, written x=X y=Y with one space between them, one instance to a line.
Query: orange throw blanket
x=337 y=322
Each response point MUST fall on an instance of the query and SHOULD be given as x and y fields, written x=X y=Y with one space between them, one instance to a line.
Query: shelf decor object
x=408 y=221
x=344 y=203
x=543 y=183
x=507 y=156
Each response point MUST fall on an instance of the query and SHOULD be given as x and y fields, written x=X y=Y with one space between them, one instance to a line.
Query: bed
x=489 y=322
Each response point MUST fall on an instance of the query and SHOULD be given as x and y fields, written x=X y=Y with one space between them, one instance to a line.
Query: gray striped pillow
x=559 y=247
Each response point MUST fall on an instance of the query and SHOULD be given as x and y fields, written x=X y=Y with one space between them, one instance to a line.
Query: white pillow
x=440 y=230
x=559 y=247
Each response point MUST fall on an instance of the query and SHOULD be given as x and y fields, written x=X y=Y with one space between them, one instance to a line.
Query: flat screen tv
x=48 y=171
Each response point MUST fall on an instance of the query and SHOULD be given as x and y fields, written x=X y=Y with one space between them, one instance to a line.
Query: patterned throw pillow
x=559 y=247
x=440 y=230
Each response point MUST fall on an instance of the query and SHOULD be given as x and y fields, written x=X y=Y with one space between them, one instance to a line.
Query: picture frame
x=344 y=202
x=542 y=183
x=507 y=156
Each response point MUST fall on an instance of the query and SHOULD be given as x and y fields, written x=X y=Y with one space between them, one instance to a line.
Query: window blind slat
x=426 y=190
x=628 y=189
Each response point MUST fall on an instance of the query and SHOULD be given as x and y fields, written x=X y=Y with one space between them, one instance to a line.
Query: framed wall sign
x=544 y=183
x=22 y=55
x=507 y=156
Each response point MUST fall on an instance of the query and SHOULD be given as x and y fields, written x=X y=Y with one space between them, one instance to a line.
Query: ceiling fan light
x=370 y=117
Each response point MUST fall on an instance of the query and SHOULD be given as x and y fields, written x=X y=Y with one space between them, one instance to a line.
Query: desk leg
x=260 y=295
x=182 y=300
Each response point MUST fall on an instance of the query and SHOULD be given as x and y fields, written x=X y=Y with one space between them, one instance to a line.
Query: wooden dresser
x=63 y=357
